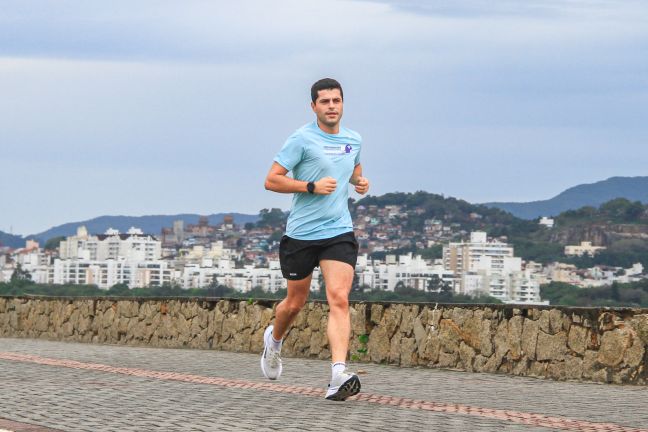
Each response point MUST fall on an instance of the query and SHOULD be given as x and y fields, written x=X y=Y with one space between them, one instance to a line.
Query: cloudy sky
x=162 y=107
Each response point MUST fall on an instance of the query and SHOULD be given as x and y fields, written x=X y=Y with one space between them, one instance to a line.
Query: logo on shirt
x=337 y=149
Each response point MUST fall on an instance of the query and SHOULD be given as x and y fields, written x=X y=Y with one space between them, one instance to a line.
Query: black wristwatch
x=310 y=187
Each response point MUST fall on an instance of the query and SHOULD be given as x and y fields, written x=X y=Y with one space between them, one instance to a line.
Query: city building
x=489 y=267
x=548 y=222
x=410 y=271
x=112 y=258
x=585 y=248
x=243 y=279
x=134 y=245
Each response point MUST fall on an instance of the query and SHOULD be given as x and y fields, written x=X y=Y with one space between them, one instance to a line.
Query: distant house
x=585 y=248
x=548 y=222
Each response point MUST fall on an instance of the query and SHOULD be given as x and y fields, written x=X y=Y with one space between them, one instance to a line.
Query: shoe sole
x=351 y=387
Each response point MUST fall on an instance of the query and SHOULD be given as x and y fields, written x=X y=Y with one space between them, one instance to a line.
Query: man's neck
x=329 y=130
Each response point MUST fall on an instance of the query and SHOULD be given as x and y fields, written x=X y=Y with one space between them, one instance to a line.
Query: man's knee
x=338 y=299
x=294 y=305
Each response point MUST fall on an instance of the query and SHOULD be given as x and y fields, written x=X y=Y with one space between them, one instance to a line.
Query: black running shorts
x=298 y=258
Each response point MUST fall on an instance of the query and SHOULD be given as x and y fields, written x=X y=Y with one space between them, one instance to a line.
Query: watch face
x=310 y=187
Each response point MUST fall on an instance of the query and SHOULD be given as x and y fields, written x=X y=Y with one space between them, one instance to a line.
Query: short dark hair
x=325 y=84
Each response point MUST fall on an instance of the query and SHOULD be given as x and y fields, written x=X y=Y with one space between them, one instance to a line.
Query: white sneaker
x=342 y=386
x=271 y=358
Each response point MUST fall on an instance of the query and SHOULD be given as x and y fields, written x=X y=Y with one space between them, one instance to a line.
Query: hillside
x=620 y=225
x=595 y=194
x=149 y=224
x=448 y=209
x=11 y=240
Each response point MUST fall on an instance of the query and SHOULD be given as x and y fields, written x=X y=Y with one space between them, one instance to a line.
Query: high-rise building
x=106 y=259
x=489 y=267
x=134 y=245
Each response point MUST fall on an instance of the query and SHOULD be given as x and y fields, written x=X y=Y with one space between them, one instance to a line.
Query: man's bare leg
x=289 y=307
x=287 y=310
x=338 y=277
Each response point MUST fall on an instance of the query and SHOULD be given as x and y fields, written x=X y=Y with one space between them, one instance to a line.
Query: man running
x=323 y=158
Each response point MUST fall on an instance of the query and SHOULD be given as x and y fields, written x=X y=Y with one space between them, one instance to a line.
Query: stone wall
x=593 y=344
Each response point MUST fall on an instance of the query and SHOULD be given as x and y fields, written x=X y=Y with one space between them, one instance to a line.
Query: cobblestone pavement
x=81 y=387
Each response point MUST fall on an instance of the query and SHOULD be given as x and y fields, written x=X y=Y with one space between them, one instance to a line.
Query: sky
x=165 y=107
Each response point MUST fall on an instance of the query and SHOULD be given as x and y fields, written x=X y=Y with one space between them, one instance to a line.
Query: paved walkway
x=47 y=386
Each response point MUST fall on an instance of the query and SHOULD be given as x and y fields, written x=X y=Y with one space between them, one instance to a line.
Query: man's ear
x=313 y=106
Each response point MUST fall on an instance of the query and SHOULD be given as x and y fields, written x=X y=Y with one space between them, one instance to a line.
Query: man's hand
x=325 y=186
x=362 y=185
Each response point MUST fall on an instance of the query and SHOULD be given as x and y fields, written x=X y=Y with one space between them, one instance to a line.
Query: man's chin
x=330 y=123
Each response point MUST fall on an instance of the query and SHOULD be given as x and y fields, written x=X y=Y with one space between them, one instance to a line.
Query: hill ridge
x=583 y=195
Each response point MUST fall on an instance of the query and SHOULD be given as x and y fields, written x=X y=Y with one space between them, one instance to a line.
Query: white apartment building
x=33 y=259
x=241 y=279
x=548 y=222
x=478 y=253
x=134 y=245
x=489 y=267
x=412 y=271
x=475 y=261
x=111 y=258
x=107 y=273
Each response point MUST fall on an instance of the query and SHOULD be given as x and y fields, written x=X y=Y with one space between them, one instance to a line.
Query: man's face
x=328 y=107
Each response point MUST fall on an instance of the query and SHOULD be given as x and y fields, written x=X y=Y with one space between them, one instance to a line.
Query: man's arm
x=277 y=181
x=361 y=184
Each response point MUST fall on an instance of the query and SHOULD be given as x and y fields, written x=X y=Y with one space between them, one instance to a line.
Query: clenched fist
x=362 y=185
x=325 y=186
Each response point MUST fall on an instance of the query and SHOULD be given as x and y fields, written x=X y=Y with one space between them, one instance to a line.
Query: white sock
x=275 y=344
x=337 y=368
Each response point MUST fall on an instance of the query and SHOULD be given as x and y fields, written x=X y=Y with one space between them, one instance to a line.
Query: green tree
x=434 y=283
x=275 y=218
x=119 y=290
x=54 y=243
x=20 y=276
x=434 y=252
x=275 y=236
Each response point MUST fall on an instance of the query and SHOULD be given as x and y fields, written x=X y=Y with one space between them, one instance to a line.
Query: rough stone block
x=376 y=313
x=460 y=315
x=467 y=355
x=408 y=355
x=529 y=338
x=515 y=337
x=578 y=339
x=634 y=355
x=520 y=367
x=447 y=360
x=613 y=347
x=551 y=347
x=358 y=321
x=449 y=336
x=573 y=368
x=479 y=362
x=432 y=348
x=379 y=345
x=640 y=324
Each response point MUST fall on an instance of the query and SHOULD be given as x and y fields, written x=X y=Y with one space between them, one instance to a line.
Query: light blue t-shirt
x=311 y=154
